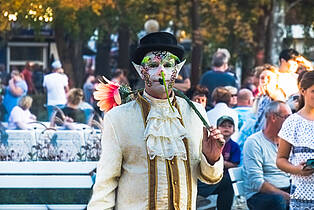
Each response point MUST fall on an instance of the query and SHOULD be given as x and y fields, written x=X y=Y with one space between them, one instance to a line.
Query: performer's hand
x=212 y=144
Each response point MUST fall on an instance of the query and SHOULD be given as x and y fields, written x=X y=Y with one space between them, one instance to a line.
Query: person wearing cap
x=265 y=185
x=56 y=85
x=153 y=153
x=221 y=98
x=231 y=153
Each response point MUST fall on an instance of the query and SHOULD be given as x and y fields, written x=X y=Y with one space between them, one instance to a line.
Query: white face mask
x=151 y=67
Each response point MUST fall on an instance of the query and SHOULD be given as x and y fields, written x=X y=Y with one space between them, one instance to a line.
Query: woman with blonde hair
x=296 y=147
x=20 y=115
x=71 y=110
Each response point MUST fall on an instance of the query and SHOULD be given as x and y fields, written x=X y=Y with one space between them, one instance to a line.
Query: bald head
x=245 y=97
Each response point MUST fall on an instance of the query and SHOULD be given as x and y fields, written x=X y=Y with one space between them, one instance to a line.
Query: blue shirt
x=231 y=152
x=244 y=113
x=246 y=130
x=212 y=79
x=10 y=100
x=259 y=165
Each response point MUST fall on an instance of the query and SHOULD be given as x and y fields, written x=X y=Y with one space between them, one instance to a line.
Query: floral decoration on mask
x=155 y=62
x=157 y=58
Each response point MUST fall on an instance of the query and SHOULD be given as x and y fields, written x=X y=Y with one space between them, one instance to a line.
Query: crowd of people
x=65 y=104
x=267 y=123
x=264 y=131
x=55 y=85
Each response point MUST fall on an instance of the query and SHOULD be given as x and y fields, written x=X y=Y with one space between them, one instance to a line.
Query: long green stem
x=166 y=89
x=180 y=94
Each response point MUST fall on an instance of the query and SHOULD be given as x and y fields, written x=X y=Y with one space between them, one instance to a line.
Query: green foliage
x=229 y=24
x=235 y=25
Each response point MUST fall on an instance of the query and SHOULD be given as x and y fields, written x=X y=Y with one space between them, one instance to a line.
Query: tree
x=126 y=19
x=228 y=24
x=300 y=12
x=249 y=29
x=196 y=43
x=73 y=22
x=252 y=30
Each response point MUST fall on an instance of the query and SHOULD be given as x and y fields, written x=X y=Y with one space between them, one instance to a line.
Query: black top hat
x=158 y=41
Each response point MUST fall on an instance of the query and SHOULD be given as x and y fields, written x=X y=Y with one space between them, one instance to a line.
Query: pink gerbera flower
x=107 y=95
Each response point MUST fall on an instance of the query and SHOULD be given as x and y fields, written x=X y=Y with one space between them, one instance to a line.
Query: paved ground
x=210 y=203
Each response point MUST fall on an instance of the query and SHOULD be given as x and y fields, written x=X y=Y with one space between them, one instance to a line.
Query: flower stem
x=166 y=89
x=180 y=94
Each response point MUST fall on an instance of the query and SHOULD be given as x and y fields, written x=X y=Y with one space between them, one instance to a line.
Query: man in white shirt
x=56 y=85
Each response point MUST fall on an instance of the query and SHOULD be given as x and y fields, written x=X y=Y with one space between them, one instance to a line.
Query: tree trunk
x=276 y=31
x=103 y=56
x=70 y=53
x=260 y=38
x=177 y=22
x=124 y=44
x=196 y=44
x=78 y=62
x=247 y=63
x=64 y=52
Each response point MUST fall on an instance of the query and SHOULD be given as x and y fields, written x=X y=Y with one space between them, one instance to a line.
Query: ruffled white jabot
x=164 y=133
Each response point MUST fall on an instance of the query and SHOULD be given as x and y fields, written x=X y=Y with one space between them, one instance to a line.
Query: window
x=18 y=53
x=26 y=53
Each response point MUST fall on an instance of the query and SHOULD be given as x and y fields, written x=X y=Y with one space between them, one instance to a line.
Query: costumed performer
x=153 y=152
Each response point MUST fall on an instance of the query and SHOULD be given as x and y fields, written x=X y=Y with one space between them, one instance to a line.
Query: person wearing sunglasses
x=265 y=185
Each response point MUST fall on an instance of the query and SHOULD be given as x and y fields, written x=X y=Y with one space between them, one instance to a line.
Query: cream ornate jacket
x=130 y=178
